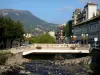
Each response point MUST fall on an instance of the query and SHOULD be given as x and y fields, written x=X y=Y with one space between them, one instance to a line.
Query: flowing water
x=47 y=67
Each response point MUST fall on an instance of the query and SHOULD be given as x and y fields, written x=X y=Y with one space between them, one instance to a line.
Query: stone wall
x=13 y=61
x=16 y=59
x=83 y=60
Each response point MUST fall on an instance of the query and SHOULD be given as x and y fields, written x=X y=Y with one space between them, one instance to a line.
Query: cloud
x=66 y=8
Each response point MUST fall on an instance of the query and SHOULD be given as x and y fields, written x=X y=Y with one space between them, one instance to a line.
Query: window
x=93 y=14
x=93 y=27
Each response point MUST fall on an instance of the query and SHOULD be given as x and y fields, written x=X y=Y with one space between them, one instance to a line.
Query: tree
x=43 y=38
x=15 y=32
x=68 y=29
x=3 y=30
x=10 y=30
x=19 y=31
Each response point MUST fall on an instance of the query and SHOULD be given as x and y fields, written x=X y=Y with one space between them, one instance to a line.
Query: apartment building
x=86 y=22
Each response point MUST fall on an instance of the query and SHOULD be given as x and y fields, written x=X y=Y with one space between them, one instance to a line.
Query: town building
x=86 y=23
x=52 y=33
x=89 y=11
x=59 y=34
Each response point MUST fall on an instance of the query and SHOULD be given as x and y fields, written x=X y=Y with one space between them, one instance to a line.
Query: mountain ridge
x=30 y=21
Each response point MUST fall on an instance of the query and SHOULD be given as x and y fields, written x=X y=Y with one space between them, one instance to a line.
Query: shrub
x=73 y=48
x=3 y=57
x=38 y=47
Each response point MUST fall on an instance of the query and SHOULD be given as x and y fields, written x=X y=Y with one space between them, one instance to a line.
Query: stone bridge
x=51 y=48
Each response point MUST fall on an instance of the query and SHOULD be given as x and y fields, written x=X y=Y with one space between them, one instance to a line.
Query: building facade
x=89 y=11
x=88 y=29
x=52 y=33
x=59 y=34
x=86 y=22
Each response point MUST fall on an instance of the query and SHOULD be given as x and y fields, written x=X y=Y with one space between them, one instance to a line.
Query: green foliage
x=43 y=38
x=3 y=57
x=10 y=30
x=68 y=29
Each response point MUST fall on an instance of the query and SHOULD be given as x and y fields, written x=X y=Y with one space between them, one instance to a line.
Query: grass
x=88 y=67
x=4 y=56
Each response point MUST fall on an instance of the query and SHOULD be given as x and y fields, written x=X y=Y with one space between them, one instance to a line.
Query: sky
x=52 y=11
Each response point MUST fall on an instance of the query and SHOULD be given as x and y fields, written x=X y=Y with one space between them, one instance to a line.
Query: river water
x=47 y=67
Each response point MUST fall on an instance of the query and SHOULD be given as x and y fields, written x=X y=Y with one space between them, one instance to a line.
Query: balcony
x=72 y=16
x=83 y=11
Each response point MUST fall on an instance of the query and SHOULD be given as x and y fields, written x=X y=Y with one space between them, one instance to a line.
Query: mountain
x=28 y=19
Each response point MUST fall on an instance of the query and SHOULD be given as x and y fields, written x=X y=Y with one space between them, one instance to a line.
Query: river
x=47 y=67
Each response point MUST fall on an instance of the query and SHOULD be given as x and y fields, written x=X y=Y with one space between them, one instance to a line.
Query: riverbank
x=19 y=66
x=11 y=62
x=46 y=67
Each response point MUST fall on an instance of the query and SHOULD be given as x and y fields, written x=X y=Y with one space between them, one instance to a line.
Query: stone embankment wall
x=16 y=59
x=83 y=60
x=13 y=62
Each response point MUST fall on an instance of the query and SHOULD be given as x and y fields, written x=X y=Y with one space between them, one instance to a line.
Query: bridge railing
x=66 y=46
x=52 y=46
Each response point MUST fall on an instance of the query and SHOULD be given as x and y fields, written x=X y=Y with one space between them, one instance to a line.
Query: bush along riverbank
x=11 y=64
x=3 y=57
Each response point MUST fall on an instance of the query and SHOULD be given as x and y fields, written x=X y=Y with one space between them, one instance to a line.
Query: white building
x=89 y=11
x=52 y=33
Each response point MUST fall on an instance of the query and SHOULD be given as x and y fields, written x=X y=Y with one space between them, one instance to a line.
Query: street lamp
x=86 y=34
x=87 y=39
x=73 y=38
x=82 y=34
x=95 y=40
x=83 y=38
